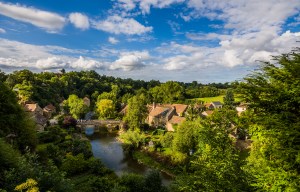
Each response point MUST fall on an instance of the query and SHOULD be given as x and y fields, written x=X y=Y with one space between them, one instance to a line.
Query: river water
x=107 y=148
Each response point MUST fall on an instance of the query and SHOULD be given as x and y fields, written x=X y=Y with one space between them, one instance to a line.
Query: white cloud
x=127 y=4
x=16 y=54
x=2 y=30
x=129 y=61
x=113 y=40
x=79 y=20
x=50 y=63
x=246 y=16
x=119 y=25
x=145 y=5
x=83 y=63
x=237 y=50
x=49 y=21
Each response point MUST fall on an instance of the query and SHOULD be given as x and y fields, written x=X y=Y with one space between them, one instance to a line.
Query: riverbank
x=143 y=156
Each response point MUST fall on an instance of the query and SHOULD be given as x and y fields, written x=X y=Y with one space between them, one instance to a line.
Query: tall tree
x=229 y=98
x=106 y=109
x=136 y=112
x=76 y=106
x=216 y=165
x=273 y=95
x=15 y=123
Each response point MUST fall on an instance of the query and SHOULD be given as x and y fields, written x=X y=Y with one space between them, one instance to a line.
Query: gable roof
x=216 y=103
x=207 y=113
x=180 y=108
x=207 y=104
x=158 y=110
x=50 y=107
x=176 y=119
x=31 y=107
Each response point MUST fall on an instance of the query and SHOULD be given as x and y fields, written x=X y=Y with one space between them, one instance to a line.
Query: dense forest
x=203 y=153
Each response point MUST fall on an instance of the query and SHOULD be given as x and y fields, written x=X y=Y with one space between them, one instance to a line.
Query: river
x=107 y=148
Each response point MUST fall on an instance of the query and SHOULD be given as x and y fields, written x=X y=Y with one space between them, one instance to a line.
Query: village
x=167 y=116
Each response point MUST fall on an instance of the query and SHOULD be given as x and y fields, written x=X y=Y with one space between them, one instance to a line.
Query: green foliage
x=14 y=121
x=166 y=139
x=133 y=138
x=229 y=98
x=76 y=106
x=30 y=186
x=273 y=95
x=74 y=164
x=185 y=137
x=49 y=178
x=168 y=92
x=106 y=109
x=136 y=112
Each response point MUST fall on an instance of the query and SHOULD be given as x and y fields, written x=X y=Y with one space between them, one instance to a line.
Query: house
x=87 y=101
x=180 y=109
x=217 y=104
x=207 y=113
x=241 y=108
x=33 y=108
x=209 y=106
x=175 y=120
x=49 y=110
x=159 y=116
x=36 y=113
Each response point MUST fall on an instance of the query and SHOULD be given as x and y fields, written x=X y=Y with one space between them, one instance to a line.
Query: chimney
x=154 y=105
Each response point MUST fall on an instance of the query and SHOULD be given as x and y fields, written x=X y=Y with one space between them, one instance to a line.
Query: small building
x=175 y=120
x=49 y=110
x=207 y=113
x=33 y=108
x=241 y=108
x=217 y=104
x=87 y=101
x=158 y=116
x=209 y=106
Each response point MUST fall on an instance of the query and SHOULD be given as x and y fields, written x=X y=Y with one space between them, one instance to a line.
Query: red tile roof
x=157 y=111
x=176 y=120
x=180 y=108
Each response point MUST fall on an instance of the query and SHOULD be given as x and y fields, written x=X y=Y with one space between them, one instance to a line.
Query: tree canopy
x=273 y=95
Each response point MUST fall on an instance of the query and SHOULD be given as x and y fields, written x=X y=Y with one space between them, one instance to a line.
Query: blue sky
x=182 y=40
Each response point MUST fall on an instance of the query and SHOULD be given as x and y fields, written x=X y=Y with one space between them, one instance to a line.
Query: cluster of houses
x=159 y=115
x=40 y=115
x=171 y=115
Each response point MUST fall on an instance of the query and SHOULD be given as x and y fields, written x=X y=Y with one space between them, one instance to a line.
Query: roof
x=86 y=99
x=208 y=112
x=50 y=107
x=180 y=108
x=216 y=103
x=176 y=119
x=158 y=110
x=31 y=107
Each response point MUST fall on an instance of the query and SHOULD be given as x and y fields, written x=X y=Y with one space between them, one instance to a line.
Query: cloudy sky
x=183 y=40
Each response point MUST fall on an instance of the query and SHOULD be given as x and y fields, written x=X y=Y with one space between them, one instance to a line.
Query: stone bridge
x=99 y=125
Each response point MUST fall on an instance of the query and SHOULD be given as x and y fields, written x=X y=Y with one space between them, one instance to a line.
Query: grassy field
x=218 y=98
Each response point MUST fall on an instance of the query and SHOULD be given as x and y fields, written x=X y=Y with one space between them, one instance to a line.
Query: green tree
x=15 y=124
x=216 y=164
x=273 y=96
x=136 y=112
x=76 y=106
x=168 y=92
x=106 y=109
x=229 y=98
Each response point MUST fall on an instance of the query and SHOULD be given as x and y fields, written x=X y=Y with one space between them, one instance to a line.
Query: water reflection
x=107 y=148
